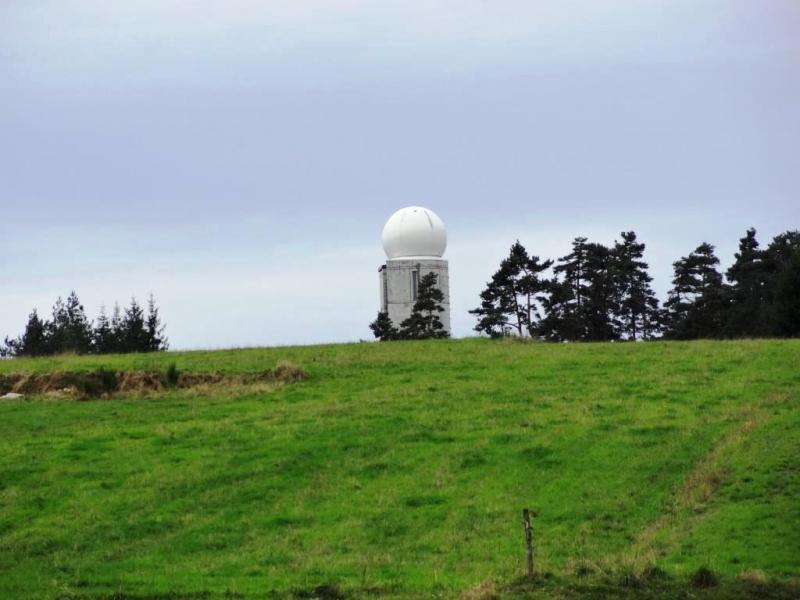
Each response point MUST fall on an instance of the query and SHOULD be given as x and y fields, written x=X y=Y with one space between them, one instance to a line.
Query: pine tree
x=782 y=263
x=601 y=297
x=497 y=308
x=568 y=320
x=748 y=278
x=383 y=328
x=104 y=341
x=582 y=299
x=133 y=332
x=785 y=313
x=70 y=330
x=57 y=327
x=79 y=328
x=530 y=288
x=560 y=323
x=680 y=298
x=424 y=321
x=33 y=342
x=696 y=307
x=117 y=338
x=511 y=299
x=711 y=303
x=637 y=305
x=156 y=342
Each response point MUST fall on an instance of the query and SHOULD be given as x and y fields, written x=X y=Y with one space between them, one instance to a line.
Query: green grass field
x=400 y=470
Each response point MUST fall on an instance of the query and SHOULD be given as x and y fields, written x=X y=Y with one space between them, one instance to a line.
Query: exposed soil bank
x=102 y=382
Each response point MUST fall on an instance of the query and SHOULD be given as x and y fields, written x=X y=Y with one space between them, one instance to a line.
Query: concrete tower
x=414 y=239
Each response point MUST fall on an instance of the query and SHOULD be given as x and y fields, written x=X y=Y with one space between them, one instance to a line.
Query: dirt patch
x=139 y=381
x=484 y=591
x=105 y=383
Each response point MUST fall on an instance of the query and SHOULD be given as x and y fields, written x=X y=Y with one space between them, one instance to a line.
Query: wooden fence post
x=526 y=521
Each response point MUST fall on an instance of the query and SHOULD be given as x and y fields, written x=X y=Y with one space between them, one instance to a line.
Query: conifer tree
x=70 y=330
x=497 y=313
x=785 y=313
x=383 y=328
x=56 y=328
x=511 y=299
x=748 y=279
x=156 y=341
x=601 y=295
x=117 y=339
x=33 y=342
x=560 y=322
x=696 y=307
x=133 y=330
x=573 y=292
x=564 y=310
x=103 y=335
x=637 y=305
x=425 y=321
x=782 y=265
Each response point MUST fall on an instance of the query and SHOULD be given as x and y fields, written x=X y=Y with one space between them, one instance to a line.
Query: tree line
x=601 y=293
x=69 y=330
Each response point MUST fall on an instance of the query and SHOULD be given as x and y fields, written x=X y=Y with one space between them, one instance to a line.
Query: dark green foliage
x=133 y=332
x=561 y=321
x=154 y=329
x=704 y=578
x=782 y=266
x=108 y=379
x=765 y=288
x=511 y=299
x=33 y=342
x=105 y=335
x=70 y=331
x=424 y=321
x=596 y=293
x=601 y=295
x=565 y=309
x=91 y=384
x=785 y=314
x=637 y=305
x=172 y=375
x=748 y=278
x=697 y=303
x=116 y=329
x=383 y=328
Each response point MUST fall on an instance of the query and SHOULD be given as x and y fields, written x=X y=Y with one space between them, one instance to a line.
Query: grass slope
x=400 y=469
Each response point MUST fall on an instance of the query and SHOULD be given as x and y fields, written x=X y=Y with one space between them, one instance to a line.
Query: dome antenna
x=414 y=239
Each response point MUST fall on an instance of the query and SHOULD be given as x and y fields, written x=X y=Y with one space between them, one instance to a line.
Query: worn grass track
x=400 y=470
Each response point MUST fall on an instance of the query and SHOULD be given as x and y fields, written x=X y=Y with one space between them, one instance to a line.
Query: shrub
x=172 y=375
x=704 y=578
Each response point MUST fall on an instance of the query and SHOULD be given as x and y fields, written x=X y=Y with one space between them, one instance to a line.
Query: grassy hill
x=400 y=469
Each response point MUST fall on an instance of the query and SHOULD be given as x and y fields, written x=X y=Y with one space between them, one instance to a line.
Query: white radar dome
x=414 y=232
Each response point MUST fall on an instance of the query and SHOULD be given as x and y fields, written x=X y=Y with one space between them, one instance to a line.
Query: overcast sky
x=239 y=158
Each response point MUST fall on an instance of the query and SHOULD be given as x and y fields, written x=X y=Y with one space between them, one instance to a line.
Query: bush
x=172 y=375
x=704 y=578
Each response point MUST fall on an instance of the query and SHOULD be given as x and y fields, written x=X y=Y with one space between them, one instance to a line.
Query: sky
x=238 y=159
